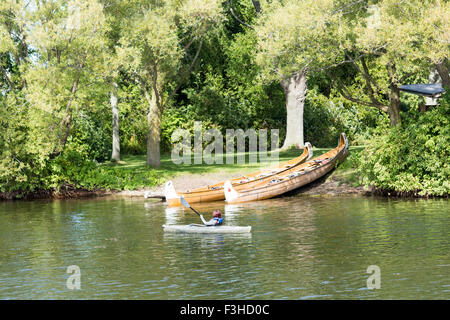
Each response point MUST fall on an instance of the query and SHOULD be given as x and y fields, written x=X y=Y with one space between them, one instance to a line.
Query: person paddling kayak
x=216 y=220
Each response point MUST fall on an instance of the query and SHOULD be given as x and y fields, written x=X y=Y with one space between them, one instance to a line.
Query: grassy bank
x=134 y=168
x=347 y=172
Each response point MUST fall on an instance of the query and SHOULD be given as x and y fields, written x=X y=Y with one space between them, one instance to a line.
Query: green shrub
x=88 y=129
x=74 y=167
x=23 y=149
x=413 y=158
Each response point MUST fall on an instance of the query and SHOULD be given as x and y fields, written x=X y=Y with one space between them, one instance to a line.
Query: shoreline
x=328 y=185
x=324 y=186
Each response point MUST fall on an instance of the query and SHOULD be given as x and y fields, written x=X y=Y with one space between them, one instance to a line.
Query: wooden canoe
x=291 y=179
x=197 y=228
x=215 y=192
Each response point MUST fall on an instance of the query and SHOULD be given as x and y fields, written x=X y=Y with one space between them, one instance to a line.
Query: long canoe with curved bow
x=215 y=192
x=291 y=179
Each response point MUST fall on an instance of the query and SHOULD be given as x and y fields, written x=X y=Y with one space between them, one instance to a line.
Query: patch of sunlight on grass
x=168 y=169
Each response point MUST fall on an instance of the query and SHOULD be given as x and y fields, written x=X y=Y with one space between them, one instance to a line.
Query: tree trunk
x=394 y=105
x=423 y=108
x=295 y=89
x=154 y=131
x=257 y=6
x=66 y=123
x=394 y=97
x=443 y=72
x=115 y=124
x=153 y=119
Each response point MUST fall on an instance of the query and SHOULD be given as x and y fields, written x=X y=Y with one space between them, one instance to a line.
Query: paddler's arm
x=204 y=221
x=212 y=222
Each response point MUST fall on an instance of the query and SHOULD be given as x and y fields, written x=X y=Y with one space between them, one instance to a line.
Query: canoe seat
x=321 y=161
x=296 y=174
x=276 y=180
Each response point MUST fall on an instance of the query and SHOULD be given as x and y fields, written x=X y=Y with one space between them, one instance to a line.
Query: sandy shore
x=324 y=186
x=182 y=183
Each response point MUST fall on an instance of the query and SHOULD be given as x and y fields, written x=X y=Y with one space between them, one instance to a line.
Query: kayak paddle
x=187 y=205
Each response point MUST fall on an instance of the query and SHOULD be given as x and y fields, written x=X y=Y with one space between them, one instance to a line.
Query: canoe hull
x=216 y=191
x=192 y=228
x=284 y=187
x=210 y=196
x=288 y=184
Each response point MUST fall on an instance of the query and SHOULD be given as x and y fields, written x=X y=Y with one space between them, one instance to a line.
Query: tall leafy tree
x=157 y=50
x=68 y=38
x=423 y=33
x=421 y=42
x=115 y=15
x=14 y=47
x=286 y=32
x=51 y=53
x=320 y=36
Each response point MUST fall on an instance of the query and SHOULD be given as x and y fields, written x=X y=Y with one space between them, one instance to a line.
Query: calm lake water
x=299 y=248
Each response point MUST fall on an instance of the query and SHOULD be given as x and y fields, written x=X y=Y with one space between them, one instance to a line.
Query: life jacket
x=218 y=221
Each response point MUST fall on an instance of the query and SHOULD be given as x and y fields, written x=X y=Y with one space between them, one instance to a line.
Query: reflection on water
x=173 y=215
x=299 y=248
x=232 y=213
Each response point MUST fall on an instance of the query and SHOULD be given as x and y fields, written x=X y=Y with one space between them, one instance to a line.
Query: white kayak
x=198 y=228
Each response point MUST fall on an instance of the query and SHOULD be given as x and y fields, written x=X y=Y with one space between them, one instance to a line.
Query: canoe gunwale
x=292 y=183
x=273 y=173
x=309 y=172
x=206 y=194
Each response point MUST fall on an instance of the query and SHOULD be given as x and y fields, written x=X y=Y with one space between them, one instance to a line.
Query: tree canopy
x=310 y=68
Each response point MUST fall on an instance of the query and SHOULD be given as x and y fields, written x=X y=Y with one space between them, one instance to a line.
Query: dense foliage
x=179 y=61
x=412 y=158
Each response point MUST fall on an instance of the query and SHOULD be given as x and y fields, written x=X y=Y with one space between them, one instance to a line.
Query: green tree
x=52 y=56
x=14 y=47
x=154 y=47
x=320 y=36
x=420 y=42
x=412 y=158
x=69 y=40
x=286 y=32
x=116 y=13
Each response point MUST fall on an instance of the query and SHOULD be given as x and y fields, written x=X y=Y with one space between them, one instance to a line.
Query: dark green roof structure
x=433 y=90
